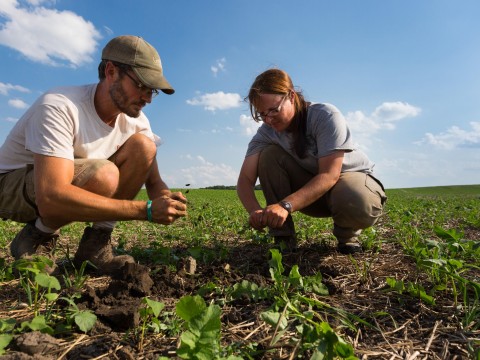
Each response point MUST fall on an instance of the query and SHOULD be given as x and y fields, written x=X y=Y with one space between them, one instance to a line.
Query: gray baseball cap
x=142 y=57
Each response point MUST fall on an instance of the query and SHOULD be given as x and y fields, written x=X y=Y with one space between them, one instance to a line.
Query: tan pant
x=354 y=203
x=17 y=190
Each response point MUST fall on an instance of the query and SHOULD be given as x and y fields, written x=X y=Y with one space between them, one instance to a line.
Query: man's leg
x=17 y=203
x=133 y=161
x=122 y=178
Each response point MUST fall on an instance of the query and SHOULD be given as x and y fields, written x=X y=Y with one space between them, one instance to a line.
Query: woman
x=305 y=159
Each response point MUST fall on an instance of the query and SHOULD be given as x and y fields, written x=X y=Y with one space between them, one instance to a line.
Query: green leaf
x=201 y=341
x=156 y=306
x=276 y=261
x=272 y=318
x=294 y=277
x=7 y=325
x=314 y=283
x=396 y=285
x=47 y=281
x=85 y=320
x=207 y=323
x=456 y=264
x=451 y=234
x=190 y=306
x=5 y=339
x=317 y=355
x=187 y=345
x=51 y=296
x=38 y=323
x=343 y=349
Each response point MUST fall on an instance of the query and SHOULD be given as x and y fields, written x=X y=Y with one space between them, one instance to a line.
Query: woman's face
x=277 y=111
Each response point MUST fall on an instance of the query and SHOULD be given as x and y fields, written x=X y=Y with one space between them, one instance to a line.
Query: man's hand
x=168 y=208
x=178 y=196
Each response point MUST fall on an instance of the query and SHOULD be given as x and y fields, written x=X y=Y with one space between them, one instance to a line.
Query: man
x=83 y=153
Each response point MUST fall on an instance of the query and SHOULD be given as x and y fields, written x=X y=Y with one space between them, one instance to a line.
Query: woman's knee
x=357 y=201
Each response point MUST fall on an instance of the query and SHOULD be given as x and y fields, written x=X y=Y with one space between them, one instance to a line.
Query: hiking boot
x=31 y=241
x=349 y=246
x=95 y=246
x=287 y=243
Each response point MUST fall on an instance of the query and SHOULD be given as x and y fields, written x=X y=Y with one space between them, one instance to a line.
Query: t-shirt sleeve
x=330 y=131
x=51 y=131
x=259 y=141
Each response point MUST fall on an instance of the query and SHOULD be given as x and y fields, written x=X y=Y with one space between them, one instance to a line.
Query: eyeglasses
x=141 y=87
x=271 y=112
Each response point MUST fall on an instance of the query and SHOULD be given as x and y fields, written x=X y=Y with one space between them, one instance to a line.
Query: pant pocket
x=376 y=187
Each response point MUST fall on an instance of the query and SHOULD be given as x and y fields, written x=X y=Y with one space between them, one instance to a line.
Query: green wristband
x=149 y=210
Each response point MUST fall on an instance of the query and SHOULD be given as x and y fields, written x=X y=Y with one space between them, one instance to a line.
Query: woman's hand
x=255 y=219
x=274 y=216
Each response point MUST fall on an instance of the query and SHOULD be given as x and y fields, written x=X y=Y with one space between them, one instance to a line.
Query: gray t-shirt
x=327 y=132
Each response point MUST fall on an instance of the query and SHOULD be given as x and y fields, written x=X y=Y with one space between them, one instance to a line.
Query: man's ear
x=111 y=71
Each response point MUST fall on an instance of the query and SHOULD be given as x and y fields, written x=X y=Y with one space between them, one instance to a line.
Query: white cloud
x=219 y=66
x=399 y=169
x=11 y=119
x=39 y=2
x=5 y=88
x=217 y=101
x=454 y=137
x=46 y=35
x=204 y=173
x=248 y=125
x=384 y=117
x=394 y=111
x=17 y=103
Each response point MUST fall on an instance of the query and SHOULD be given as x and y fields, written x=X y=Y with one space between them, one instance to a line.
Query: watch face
x=286 y=205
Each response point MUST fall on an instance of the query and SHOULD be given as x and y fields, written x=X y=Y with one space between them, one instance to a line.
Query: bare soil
x=408 y=330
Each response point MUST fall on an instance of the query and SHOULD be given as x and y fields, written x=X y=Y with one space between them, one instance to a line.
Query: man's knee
x=100 y=176
x=139 y=144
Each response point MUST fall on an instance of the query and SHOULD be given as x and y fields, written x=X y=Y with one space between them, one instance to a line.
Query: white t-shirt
x=64 y=123
x=326 y=133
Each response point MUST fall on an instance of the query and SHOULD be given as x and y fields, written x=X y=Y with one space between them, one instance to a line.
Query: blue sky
x=406 y=75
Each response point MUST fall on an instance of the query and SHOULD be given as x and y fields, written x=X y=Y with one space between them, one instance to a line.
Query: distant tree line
x=225 y=187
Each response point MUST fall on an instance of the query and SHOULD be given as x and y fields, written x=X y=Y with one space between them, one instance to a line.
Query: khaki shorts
x=17 y=189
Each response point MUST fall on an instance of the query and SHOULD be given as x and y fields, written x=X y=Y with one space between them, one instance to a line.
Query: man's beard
x=121 y=100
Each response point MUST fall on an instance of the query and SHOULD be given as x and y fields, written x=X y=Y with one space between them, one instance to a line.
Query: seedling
x=201 y=340
x=149 y=318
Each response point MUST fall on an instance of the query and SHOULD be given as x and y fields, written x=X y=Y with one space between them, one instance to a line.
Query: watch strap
x=286 y=205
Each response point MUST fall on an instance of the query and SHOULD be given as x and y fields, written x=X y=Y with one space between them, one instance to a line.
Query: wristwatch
x=286 y=205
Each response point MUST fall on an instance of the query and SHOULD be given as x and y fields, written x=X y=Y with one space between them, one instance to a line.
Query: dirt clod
x=36 y=343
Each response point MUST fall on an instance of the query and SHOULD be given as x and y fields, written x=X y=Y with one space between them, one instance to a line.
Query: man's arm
x=154 y=184
x=59 y=202
x=156 y=187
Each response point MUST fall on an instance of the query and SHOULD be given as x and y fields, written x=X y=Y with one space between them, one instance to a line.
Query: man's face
x=129 y=98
